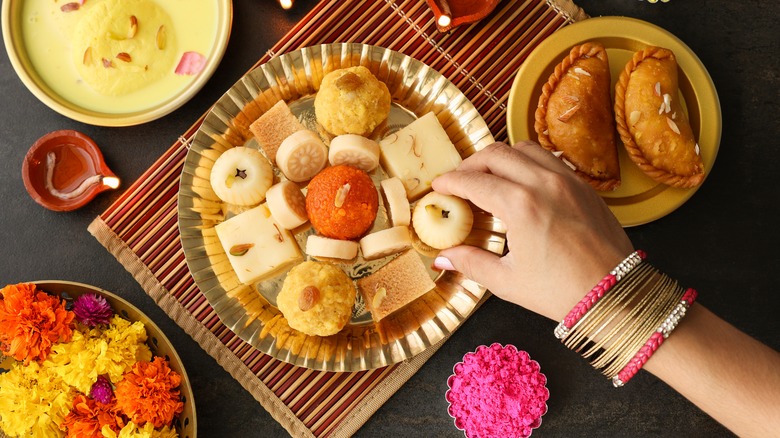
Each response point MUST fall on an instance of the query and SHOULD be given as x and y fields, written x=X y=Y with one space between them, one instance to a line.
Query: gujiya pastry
x=340 y=204
x=576 y=120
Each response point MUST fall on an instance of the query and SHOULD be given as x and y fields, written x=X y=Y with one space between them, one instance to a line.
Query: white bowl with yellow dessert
x=115 y=62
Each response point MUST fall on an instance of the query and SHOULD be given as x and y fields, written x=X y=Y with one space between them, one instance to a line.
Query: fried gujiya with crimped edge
x=574 y=116
x=652 y=123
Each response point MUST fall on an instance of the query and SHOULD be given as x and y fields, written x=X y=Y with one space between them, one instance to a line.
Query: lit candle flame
x=444 y=20
x=111 y=181
x=286 y=4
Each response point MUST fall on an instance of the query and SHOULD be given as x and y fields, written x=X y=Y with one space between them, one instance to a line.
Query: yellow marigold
x=132 y=430
x=88 y=418
x=92 y=352
x=31 y=321
x=33 y=401
x=149 y=394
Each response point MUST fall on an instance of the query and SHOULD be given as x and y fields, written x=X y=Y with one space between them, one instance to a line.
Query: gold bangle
x=616 y=296
x=621 y=324
x=665 y=300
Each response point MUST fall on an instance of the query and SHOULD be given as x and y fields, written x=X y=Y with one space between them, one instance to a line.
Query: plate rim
x=14 y=50
x=641 y=32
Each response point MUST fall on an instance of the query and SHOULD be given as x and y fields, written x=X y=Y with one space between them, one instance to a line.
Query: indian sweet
x=117 y=56
x=287 y=204
x=418 y=153
x=241 y=176
x=301 y=155
x=354 y=150
x=342 y=202
x=652 y=122
x=317 y=298
x=574 y=117
x=256 y=246
x=325 y=247
x=351 y=101
x=396 y=203
x=120 y=46
x=398 y=283
x=275 y=125
x=442 y=221
x=385 y=242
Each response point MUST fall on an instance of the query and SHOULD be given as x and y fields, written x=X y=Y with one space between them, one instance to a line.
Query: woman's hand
x=562 y=238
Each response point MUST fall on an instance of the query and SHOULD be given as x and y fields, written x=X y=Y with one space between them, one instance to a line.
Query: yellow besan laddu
x=120 y=46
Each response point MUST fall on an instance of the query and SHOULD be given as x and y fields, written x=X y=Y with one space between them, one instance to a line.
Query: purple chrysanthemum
x=92 y=309
x=101 y=390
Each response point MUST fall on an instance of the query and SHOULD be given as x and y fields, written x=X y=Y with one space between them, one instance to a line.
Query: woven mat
x=140 y=228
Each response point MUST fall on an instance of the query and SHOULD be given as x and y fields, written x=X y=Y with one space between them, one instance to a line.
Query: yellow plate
x=639 y=199
x=82 y=104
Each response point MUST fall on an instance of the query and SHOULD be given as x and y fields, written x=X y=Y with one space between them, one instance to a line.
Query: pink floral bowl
x=497 y=391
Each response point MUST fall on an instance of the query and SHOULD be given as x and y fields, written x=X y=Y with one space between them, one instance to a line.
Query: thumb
x=482 y=266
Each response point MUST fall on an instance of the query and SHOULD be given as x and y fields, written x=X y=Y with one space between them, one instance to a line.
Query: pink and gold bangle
x=625 y=318
x=598 y=291
x=656 y=339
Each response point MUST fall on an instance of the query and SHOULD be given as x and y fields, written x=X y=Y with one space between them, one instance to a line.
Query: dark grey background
x=723 y=241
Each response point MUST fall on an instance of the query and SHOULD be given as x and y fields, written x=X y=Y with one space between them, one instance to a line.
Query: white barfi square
x=418 y=153
x=256 y=246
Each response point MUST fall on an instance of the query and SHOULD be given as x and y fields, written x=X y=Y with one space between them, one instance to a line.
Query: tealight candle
x=444 y=20
x=450 y=14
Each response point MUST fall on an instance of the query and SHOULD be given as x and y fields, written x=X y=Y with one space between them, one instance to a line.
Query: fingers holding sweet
x=510 y=182
x=481 y=188
x=561 y=236
x=502 y=276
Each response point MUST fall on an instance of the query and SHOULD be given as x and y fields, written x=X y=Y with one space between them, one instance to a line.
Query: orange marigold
x=148 y=393
x=88 y=417
x=31 y=321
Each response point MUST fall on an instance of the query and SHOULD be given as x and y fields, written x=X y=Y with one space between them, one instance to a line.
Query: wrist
x=625 y=318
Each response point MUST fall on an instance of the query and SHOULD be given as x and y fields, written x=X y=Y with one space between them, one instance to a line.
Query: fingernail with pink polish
x=443 y=263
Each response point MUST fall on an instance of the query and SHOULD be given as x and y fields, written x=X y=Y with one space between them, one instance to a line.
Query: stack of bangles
x=625 y=318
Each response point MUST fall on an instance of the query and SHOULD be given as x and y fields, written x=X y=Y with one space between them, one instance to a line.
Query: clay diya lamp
x=453 y=13
x=64 y=170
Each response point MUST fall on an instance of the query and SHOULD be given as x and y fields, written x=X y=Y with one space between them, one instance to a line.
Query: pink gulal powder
x=497 y=392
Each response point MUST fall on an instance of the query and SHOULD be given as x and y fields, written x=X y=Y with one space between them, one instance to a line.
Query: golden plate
x=249 y=310
x=639 y=199
x=69 y=99
x=186 y=423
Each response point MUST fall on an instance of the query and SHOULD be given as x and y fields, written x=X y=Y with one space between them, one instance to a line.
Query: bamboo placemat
x=140 y=229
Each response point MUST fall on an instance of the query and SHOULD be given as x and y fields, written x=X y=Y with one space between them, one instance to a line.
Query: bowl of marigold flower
x=98 y=365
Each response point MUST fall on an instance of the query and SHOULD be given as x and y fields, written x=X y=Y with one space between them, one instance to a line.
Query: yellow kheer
x=116 y=56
